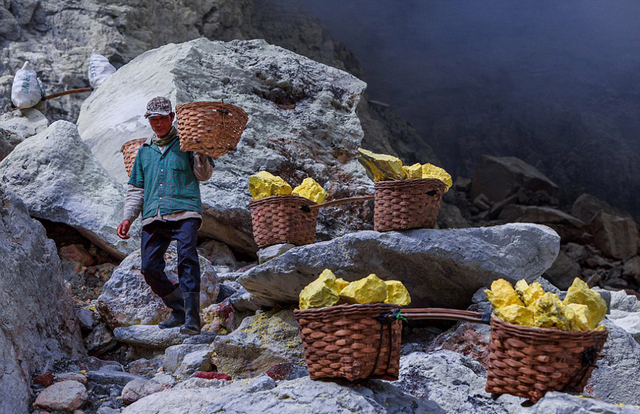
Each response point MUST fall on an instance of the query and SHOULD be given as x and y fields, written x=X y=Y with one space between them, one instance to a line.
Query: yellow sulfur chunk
x=431 y=171
x=413 y=171
x=397 y=294
x=502 y=294
x=311 y=190
x=529 y=293
x=321 y=292
x=370 y=289
x=549 y=312
x=579 y=293
x=580 y=318
x=341 y=284
x=265 y=184
x=381 y=167
x=516 y=314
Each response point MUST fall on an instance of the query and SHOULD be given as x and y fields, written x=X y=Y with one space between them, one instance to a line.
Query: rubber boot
x=175 y=302
x=192 y=311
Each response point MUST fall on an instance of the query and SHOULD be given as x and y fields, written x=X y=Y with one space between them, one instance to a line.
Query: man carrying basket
x=164 y=187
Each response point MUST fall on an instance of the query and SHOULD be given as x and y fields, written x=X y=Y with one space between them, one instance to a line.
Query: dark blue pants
x=156 y=237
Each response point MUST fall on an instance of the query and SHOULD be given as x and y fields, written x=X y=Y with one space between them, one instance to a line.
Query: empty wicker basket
x=407 y=204
x=529 y=362
x=129 y=151
x=280 y=219
x=210 y=128
x=354 y=342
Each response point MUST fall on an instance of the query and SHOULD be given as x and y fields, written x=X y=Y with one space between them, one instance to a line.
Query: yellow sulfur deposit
x=579 y=293
x=431 y=171
x=529 y=293
x=311 y=190
x=321 y=292
x=530 y=305
x=517 y=314
x=397 y=294
x=265 y=184
x=381 y=167
x=341 y=284
x=413 y=171
x=370 y=289
x=502 y=294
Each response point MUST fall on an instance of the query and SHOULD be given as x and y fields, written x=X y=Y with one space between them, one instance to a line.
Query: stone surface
x=72 y=376
x=499 y=177
x=302 y=123
x=441 y=268
x=127 y=300
x=80 y=194
x=63 y=396
x=37 y=319
x=615 y=236
x=260 y=342
x=107 y=377
x=562 y=272
x=561 y=403
x=174 y=355
x=149 y=336
x=289 y=397
x=219 y=255
x=195 y=361
x=138 y=389
x=100 y=340
x=22 y=124
x=267 y=253
x=586 y=206
x=568 y=227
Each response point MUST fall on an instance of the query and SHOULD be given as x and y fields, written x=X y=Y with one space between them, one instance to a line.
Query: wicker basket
x=129 y=151
x=407 y=204
x=210 y=128
x=347 y=341
x=279 y=219
x=528 y=362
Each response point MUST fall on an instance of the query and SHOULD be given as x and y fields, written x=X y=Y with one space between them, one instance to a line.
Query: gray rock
x=453 y=381
x=100 y=340
x=289 y=397
x=72 y=376
x=86 y=319
x=615 y=236
x=318 y=137
x=586 y=206
x=63 y=396
x=108 y=410
x=450 y=217
x=220 y=256
x=173 y=355
x=441 y=268
x=632 y=269
x=621 y=301
x=107 y=377
x=38 y=324
x=149 y=336
x=267 y=253
x=499 y=177
x=197 y=383
x=137 y=389
x=127 y=300
x=243 y=301
x=563 y=271
x=80 y=194
x=23 y=123
x=561 y=403
x=261 y=341
x=195 y=361
x=568 y=227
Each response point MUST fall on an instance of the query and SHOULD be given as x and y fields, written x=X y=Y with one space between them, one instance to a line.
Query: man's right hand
x=123 y=229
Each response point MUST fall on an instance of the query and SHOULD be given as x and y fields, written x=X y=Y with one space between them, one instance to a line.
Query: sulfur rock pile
x=265 y=184
x=327 y=290
x=382 y=167
x=529 y=305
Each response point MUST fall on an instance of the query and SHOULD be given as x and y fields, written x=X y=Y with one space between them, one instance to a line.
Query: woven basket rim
x=330 y=311
x=410 y=181
x=131 y=142
x=560 y=334
x=281 y=198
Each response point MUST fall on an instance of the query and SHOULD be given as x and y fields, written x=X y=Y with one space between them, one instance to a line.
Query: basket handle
x=308 y=209
x=415 y=314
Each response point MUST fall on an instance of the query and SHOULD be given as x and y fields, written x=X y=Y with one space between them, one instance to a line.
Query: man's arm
x=202 y=166
x=132 y=208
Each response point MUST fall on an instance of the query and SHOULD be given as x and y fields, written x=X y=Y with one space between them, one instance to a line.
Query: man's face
x=161 y=125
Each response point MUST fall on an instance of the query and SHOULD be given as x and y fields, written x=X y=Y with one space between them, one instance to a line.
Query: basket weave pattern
x=279 y=219
x=407 y=204
x=129 y=151
x=528 y=362
x=346 y=341
x=210 y=128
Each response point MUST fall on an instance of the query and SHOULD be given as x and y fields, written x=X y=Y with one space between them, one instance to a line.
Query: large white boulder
x=302 y=123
